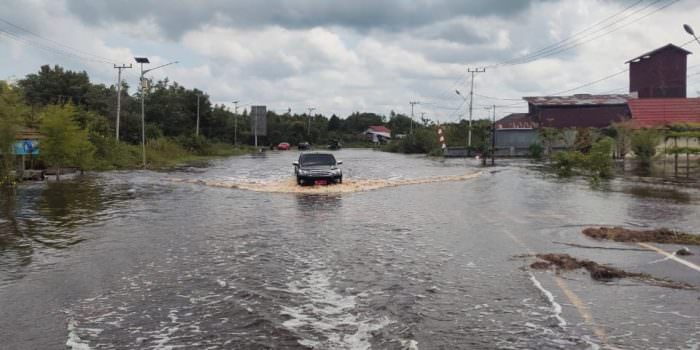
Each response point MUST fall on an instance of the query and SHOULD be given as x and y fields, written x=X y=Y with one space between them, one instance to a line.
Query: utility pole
x=308 y=129
x=412 y=103
x=235 y=122
x=471 y=104
x=196 y=132
x=493 y=138
x=119 y=95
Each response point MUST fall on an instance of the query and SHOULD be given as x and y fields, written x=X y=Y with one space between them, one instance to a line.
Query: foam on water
x=332 y=317
x=556 y=308
x=74 y=342
x=348 y=186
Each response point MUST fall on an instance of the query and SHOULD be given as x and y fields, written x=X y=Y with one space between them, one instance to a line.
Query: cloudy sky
x=362 y=55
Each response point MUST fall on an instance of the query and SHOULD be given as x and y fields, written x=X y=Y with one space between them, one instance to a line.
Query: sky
x=363 y=55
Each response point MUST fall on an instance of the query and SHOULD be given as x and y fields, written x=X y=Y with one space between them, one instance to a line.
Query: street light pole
x=196 y=132
x=141 y=61
x=308 y=129
x=235 y=122
x=412 y=103
x=689 y=30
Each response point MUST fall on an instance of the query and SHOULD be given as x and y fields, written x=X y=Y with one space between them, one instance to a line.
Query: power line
x=56 y=43
x=571 y=37
x=556 y=49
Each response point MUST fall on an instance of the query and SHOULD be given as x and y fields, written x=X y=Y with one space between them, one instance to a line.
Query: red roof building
x=661 y=111
x=379 y=128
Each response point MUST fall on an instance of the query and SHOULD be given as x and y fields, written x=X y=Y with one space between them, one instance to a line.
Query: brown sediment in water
x=662 y=235
x=565 y=262
x=348 y=185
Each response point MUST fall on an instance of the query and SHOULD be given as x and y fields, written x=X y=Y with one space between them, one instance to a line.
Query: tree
x=55 y=85
x=12 y=110
x=64 y=143
x=334 y=123
x=644 y=144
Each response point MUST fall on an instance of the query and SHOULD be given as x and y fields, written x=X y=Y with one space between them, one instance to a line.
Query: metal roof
x=578 y=100
x=659 y=111
x=516 y=121
x=663 y=48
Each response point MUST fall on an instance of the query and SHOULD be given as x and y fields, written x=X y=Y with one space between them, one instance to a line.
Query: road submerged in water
x=409 y=253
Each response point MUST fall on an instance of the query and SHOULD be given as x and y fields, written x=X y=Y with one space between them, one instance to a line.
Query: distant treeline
x=77 y=119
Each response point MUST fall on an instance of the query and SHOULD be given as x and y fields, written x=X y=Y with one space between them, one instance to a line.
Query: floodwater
x=408 y=253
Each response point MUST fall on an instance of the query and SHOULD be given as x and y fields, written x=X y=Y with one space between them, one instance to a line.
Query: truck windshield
x=317 y=159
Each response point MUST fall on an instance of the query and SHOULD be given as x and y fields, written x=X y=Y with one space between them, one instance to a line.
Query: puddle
x=662 y=235
x=348 y=185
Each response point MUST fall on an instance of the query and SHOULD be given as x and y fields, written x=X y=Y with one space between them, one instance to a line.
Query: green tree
x=12 y=112
x=644 y=144
x=64 y=143
x=55 y=86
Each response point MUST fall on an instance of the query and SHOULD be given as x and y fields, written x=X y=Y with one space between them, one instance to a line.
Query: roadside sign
x=258 y=120
x=26 y=147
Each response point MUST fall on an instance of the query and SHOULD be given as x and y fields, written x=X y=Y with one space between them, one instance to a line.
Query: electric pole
x=119 y=95
x=196 y=132
x=471 y=104
x=412 y=103
x=308 y=129
x=235 y=122
x=493 y=138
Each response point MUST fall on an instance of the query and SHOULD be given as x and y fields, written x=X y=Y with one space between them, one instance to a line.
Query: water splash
x=348 y=186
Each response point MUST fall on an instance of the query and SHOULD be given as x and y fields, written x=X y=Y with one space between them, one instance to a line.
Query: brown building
x=578 y=111
x=660 y=73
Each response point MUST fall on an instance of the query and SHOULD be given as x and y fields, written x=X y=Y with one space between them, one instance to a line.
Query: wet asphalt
x=146 y=260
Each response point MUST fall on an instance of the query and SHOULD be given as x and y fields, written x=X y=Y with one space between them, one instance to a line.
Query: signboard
x=258 y=120
x=26 y=148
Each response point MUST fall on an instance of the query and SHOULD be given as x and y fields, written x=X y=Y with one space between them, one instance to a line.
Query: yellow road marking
x=670 y=256
x=573 y=298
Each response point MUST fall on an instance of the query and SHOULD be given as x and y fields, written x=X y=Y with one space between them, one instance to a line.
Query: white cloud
x=340 y=68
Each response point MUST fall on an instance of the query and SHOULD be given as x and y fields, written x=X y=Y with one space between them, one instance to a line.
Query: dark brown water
x=411 y=253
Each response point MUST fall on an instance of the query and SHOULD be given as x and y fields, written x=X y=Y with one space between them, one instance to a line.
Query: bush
x=644 y=144
x=599 y=160
x=536 y=151
x=565 y=162
x=597 y=163
x=423 y=140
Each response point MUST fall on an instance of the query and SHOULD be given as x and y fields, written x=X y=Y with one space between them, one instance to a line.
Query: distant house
x=378 y=133
x=578 y=111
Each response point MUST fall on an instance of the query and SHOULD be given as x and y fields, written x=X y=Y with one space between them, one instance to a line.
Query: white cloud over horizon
x=372 y=56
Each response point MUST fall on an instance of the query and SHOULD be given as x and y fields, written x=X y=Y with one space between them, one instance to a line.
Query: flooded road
x=408 y=253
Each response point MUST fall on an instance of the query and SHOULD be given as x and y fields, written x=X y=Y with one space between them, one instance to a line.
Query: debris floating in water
x=565 y=262
x=662 y=235
x=348 y=186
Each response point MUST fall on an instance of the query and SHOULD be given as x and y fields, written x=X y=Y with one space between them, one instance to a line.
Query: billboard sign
x=26 y=148
x=258 y=120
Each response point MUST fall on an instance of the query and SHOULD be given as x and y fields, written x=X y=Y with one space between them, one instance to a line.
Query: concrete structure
x=660 y=73
x=515 y=142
